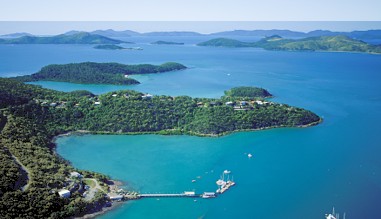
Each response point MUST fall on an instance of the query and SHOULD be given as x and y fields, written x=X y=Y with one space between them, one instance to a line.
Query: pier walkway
x=167 y=195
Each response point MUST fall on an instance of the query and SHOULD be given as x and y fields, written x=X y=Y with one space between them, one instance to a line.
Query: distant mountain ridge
x=361 y=35
x=108 y=36
x=129 y=33
x=14 y=35
x=367 y=34
x=75 y=38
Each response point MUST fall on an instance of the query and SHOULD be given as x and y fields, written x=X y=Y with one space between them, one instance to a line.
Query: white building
x=75 y=175
x=64 y=193
x=147 y=96
x=230 y=103
x=116 y=197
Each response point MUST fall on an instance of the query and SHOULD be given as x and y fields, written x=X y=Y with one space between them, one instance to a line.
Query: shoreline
x=105 y=209
x=116 y=204
x=180 y=132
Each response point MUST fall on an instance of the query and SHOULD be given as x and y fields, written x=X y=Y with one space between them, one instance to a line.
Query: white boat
x=333 y=215
x=224 y=185
x=249 y=155
x=227 y=171
x=208 y=195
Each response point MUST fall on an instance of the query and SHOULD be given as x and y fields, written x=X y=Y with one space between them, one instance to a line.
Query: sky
x=180 y=10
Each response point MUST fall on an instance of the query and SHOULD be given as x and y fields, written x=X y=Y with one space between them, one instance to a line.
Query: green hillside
x=323 y=43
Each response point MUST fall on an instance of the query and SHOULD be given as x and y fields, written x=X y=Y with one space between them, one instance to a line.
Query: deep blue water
x=295 y=173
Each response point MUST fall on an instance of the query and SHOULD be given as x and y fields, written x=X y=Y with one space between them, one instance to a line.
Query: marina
x=223 y=186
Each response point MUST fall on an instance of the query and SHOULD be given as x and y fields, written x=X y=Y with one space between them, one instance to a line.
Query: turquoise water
x=294 y=173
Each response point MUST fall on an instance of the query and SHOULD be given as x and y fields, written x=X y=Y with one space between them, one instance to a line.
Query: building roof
x=75 y=174
x=64 y=193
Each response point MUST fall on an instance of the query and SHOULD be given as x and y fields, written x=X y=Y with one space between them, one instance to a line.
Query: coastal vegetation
x=78 y=38
x=224 y=42
x=97 y=73
x=160 y=42
x=322 y=43
x=31 y=116
x=251 y=92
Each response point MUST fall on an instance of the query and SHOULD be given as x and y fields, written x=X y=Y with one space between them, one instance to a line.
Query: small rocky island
x=98 y=73
x=109 y=47
x=160 y=42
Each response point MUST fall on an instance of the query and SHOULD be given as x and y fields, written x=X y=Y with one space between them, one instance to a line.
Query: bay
x=294 y=173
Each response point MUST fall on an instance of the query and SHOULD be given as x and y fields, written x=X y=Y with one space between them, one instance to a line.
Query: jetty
x=223 y=186
x=167 y=195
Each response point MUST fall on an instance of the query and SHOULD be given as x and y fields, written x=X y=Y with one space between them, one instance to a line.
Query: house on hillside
x=64 y=193
x=230 y=103
x=147 y=96
x=75 y=175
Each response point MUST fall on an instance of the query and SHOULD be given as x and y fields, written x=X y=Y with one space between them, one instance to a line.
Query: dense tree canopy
x=97 y=73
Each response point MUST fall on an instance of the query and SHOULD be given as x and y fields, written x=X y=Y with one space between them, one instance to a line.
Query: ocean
x=294 y=172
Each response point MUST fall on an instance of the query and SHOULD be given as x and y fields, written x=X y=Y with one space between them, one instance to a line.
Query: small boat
x=249 y=155
x=224 y=185
x=208 y=195
x=333 y=215
x=193 y=180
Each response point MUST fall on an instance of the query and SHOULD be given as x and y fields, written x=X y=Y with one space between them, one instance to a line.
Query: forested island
x=160 y=42
x=31 y=116
x=109 y=47
x=78 y=38
x=97 y=73
x=323 y=43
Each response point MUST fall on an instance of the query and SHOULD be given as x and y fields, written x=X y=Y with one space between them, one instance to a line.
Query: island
x=323 y=43
x=77 y=38
x=115 y=47
x=32 y=116
x=160 y=42
x=108 y=47
x=248 y=92
x=97 y=73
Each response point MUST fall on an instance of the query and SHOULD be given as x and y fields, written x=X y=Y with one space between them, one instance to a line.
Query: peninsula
x=97 y=73
x=31 y=116
x=322 y=43
x=77 y=38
